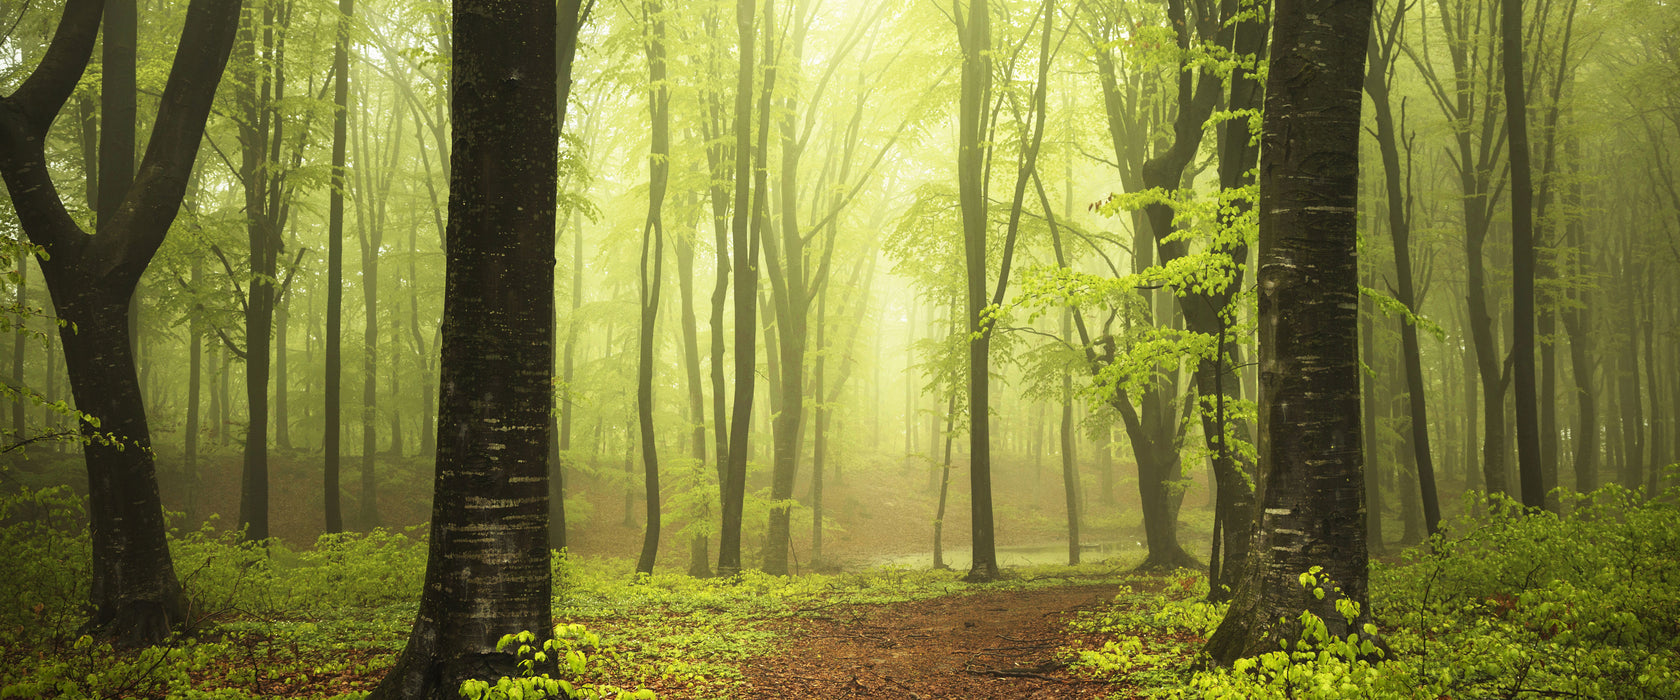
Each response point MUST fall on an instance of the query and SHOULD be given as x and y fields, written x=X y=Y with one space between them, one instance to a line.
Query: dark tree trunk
x=944 y=484
x=653 y=246
x=1379 y=73
x=569 y=22
x=976 y=39
x=1070 y=436
x=567 y=369
x=488 y=571
x=744 y=242
x=819 y=443
x=1522 y=259
x=254 y=173
x=1375 y=540
x=195 y=383
x=699 y=561
x=333 y=415
x=282 y=381
x=135 y=595
x=1312 y=506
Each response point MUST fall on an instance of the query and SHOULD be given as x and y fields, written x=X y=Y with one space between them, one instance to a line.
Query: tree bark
x=1377 y=82
x=135 y=595
x=653 y=246
x=1522 y=259
x=744 y=248
x=335 y=272
x=1311 y=503
x=488 y=571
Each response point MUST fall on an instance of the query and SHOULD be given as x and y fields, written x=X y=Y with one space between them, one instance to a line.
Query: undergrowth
x=1508 y=604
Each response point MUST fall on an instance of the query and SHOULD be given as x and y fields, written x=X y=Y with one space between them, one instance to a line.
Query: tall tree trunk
x=1377 y=81
x=488 y=571
x=569 y=22
x=653 y=245
x=699 y=561
x=255 y=172
x=944 y=483
x=91 y=279
x=333 y=416
x=819 y=443
x=19 y=414
x=195 y=354
x=744 y=248
x=1375 y=540
x=568 y=364
x=976 y=39
x=1308 y=318
x=1522 y=259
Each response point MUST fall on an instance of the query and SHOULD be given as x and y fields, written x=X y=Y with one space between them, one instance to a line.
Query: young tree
x=92 y=278
x=1311 y=496
x=488 y=571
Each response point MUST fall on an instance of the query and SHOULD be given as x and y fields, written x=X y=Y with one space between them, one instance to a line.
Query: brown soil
x=997 y=644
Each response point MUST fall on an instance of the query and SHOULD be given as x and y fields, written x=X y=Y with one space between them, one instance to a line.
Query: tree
x=487 y=572
x=653 y=246
x=744 y=242
x=335 y=270
x=1378 y=81
x=1310 y=496
x=976 y=131
x=92 y=278
x=1522 y=254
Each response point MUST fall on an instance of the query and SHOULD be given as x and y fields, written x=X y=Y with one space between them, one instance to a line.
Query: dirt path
x=988 y=645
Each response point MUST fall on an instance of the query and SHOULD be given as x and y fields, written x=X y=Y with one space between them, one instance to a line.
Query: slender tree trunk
x=819 y=446
x=195 y=353
x=744 y=248
x=944 y=484
x=1374 y=537
x=255 y=172
x=335 y=271
x=1070 y=436
x=1522 y=254
x=19 y=337
x=699 y=561
x=1377 y=81
x=653 y=245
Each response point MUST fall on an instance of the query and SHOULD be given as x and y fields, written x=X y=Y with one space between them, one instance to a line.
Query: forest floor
x=993 y=644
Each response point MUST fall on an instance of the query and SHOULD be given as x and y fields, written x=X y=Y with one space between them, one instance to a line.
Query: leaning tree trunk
x=488 y=572
x=1310 y=496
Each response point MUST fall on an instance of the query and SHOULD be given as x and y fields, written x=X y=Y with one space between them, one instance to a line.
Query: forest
x=639 y=349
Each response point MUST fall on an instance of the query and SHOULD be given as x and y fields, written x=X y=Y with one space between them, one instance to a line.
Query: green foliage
x=573 y=651
x=1507 y=603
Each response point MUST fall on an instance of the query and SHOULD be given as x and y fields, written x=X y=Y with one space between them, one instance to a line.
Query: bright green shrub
x=573 y=652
